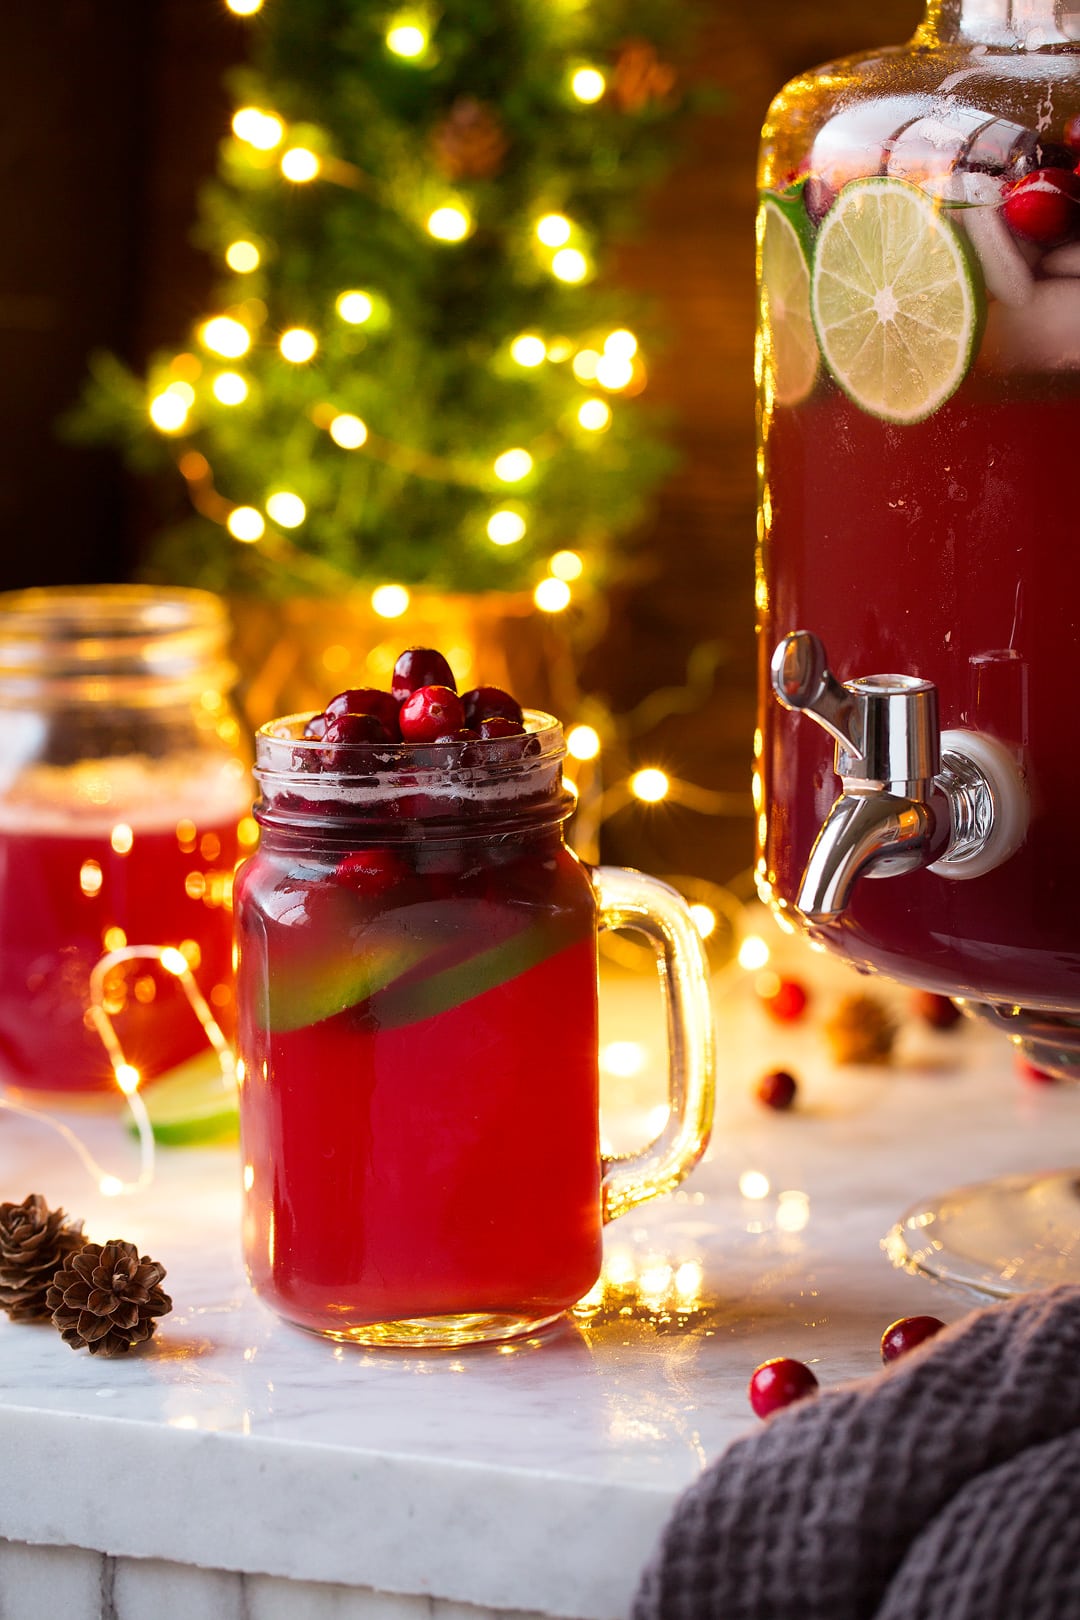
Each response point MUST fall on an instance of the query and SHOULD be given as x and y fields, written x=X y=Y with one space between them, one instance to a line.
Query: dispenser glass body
x=919 y=374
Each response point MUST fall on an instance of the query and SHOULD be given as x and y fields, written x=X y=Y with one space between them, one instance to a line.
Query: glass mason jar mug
x=417 y=998
x=123 y=781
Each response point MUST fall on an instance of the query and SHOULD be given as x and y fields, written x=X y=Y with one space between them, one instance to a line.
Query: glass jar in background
x=124 y=780
x=417 y=1039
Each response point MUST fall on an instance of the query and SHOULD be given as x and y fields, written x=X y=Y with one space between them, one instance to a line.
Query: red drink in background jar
x=122 y=787
x=417 y=993
x=920 y=414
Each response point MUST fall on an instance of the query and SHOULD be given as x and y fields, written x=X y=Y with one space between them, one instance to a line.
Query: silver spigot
x=911 y=796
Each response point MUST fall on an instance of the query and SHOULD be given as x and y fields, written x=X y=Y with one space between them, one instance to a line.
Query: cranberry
x=818 y=197
x=430 y=712
x=462 y=734
x=315 y=729
x=1044 y=207
x=355 y=728
x=371 y=871
x=488 y=702
x=778 y=1383
x=784 y=999
x=367 y=700
x=902 y=1336
x=938 y=1011
x=776 y=1089
x=421 y=666
x=509 y=741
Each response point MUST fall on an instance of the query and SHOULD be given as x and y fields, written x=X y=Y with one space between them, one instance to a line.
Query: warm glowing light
x=286 y=509
x=114 y=939
x=127 y=1078
x=298 y=345
x=529 y=350
x=348 y=431
x=449 y=224
x=406 y=39
x=649 y=785
x=245 y=523
x=244 y=8
x=582 y=742
x=505 y=528
x=121 y=838
x=567 y=565
x=613 y=372
x=584 y=365
x=554 y=230
x=354 y=307
x=230 y=388
x=552 y=595
x=259 y=129
x=225 y=336
x=688 y=1279
x=513 y=465
x=242 y=257
x=174 y=961
x=595 y=414
x=569 y=265
x=248 y=832
x=249 y=1177
x=299 y=165
x=622 y=344
x=623 y=1058
x=753 y=953
x=792 y=1211
x=90 y=878
x=110 y=1186
x=168 y=412
x=705 y=920
x=390 y=601
x=588 y=84
x=753 y=1184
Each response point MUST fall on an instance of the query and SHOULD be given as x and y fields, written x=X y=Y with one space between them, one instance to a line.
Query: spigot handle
x=802 y=680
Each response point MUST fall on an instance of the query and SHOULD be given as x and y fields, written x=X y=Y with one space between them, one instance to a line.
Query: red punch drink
x=123 y=780
x=418 y=1031
x=69 y=892
x=417 y=1004
x=920 y=408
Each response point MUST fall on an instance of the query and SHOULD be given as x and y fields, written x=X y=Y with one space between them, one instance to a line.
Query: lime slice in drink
x=789 y=347
x=894 y=299
x=192 y=1104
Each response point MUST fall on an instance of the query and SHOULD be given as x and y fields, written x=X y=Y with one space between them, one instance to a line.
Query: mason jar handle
x=630 y=900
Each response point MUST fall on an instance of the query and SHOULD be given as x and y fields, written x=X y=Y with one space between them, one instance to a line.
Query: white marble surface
x=532 y=1477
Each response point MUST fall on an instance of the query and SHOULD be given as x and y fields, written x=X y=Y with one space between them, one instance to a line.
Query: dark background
x=112 y=111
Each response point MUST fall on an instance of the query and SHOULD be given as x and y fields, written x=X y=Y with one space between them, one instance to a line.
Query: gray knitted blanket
x=945 y=1488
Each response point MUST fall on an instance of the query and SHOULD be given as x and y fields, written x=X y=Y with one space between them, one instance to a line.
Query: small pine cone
x=35 y=1241
x=861 y=1030
x=107 y=1297
x=470 y=142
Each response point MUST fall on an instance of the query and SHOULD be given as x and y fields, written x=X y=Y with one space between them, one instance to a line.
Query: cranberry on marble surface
x=777 y=1089
x=429 y=713
x=784 y=999
x=903 y=1335
x=421 y=666
x=778 y=1383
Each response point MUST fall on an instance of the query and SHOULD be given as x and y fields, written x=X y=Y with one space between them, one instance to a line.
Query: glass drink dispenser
x=918 y=584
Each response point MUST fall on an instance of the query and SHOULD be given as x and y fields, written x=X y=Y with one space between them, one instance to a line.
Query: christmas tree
x=414 y=371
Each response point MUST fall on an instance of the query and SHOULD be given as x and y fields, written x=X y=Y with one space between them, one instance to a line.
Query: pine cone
x=35 y=1241
x=470 y=142
x=107 y=1298
x=861 y=1030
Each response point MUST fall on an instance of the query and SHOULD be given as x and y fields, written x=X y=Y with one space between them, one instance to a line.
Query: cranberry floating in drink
x=417 y=988
x=918 y=584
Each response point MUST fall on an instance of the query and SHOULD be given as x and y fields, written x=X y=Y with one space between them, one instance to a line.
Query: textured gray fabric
x=946 y=1482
